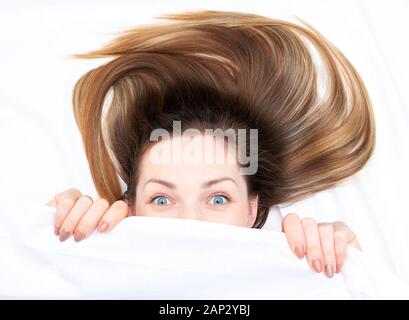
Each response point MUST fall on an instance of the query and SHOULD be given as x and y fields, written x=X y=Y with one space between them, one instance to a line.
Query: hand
x=324 y=244
x=79 y=215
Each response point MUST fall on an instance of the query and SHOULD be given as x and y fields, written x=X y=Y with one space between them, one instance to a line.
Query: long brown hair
x=213 y=69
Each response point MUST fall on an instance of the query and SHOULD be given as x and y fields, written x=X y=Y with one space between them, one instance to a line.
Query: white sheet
x=165 y=258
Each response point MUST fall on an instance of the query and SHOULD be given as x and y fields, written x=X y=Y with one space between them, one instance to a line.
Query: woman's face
x=208 y=189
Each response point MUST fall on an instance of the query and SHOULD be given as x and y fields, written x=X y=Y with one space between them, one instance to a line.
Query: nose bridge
x=189 y=210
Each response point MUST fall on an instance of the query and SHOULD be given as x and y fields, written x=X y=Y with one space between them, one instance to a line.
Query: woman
x=228 y=71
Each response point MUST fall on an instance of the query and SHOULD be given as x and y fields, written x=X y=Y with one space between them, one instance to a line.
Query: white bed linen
x=167 y=258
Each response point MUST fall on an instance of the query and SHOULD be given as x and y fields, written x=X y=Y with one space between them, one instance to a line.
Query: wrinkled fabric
x=169 y=258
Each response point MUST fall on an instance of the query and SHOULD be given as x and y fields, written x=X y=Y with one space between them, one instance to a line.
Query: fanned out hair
x=214 y=69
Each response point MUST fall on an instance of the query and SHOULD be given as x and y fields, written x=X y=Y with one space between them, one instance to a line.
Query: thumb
x=52 y=203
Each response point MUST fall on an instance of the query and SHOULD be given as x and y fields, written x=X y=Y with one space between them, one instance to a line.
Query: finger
x=326 y=231
x=312 y=239
x=351 y=237
x=354 y=242
x=117 y=212
x=294 y=232
x=52 y=203
x=340 y=244
x=72 y=219
x=66 y=201
x=345 y=237
x=90 y=219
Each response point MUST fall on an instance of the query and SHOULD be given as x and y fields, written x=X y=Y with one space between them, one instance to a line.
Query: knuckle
x=120 y=204
x=314 y=255
x=291 y=216
x=73 y=191
x=314 y=249
x=85 y=200
x=308 y=221
x=103 y=203
x=285 y=222
x=325 y=227
x=67 y=202
x=340 y=234
x=340 y=224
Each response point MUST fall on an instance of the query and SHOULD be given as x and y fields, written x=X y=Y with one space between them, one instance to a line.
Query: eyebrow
x=204 y=185
x=212 y=182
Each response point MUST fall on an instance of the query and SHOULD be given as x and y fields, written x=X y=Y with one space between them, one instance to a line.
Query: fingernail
x=64 y=235
x=329 y=270
x=317 y=265
x=103 y=227
x=57 y=231
x=299 y=251
x=78 y=236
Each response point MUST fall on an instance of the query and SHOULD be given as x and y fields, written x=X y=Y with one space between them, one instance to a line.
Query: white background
x=41 y=149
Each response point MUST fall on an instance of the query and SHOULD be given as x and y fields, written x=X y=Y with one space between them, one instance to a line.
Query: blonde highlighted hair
x=213 y=69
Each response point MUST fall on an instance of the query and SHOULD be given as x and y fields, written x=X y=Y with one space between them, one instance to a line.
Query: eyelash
x=221 y=194
x=157 y=196
x=213 y=195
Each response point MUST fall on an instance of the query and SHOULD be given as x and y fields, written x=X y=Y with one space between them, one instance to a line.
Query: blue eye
x=219 y=200
x=161 y=200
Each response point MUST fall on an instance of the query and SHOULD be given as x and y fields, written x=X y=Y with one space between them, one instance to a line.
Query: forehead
x=200 y=156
